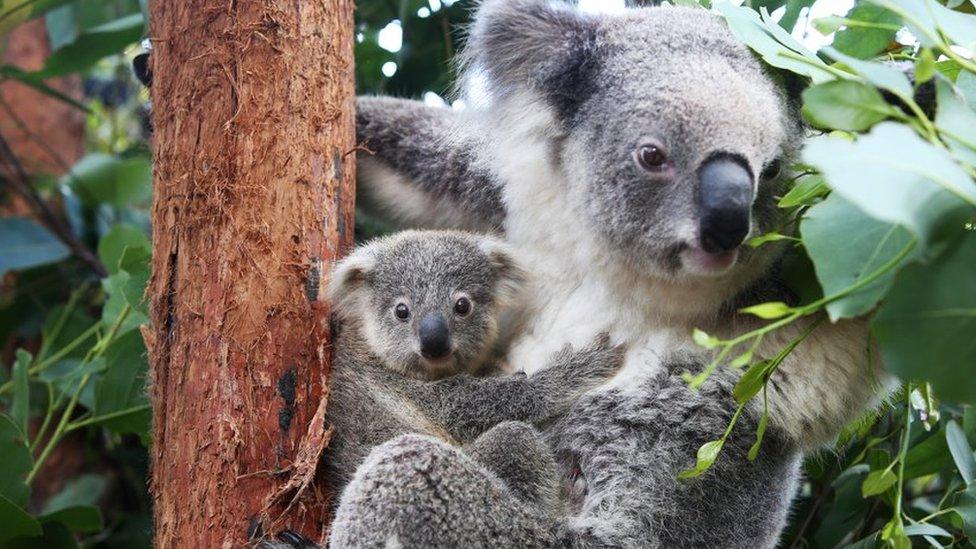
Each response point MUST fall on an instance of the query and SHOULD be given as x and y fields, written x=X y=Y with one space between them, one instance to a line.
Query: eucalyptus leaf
x=20 y=408
x=16 y=462
x=877 y=30
x=25 y=244
x=868 y=244
x=807 y=191
x=878 y=482
x=102 y=178
x=82 y=518
x=926 y=325
x=123 y=385
x=92 y=45
x=707 y=453
x=16 y=522
x=962 y=453
x=894 y=176
x=844 y=105
x=113 y=244
x=956 y=120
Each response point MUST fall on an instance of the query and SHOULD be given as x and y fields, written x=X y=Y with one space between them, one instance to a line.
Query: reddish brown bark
x=253 y=179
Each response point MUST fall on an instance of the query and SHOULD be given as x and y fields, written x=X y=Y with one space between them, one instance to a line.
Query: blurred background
x=75 y=191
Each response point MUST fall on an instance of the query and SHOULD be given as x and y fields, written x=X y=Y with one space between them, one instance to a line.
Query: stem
x=904 y=449
x=823 y=66
x=106 y=417
x=51 y=406
x=59 y=325
x=56 y=356
x=60 y=430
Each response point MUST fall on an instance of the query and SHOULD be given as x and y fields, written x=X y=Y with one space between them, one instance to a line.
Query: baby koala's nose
x=435 y=337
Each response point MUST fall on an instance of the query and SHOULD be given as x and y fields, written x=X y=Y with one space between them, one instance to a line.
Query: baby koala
x=418 y=313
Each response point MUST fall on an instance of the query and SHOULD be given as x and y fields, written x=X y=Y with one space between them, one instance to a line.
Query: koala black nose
x=725 y=193
x=435 y=336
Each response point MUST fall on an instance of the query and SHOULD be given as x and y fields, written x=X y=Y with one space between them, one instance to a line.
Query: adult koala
x=629 y=156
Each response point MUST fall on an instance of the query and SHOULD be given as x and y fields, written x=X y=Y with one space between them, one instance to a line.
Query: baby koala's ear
x=349 y=276
x=512 y=277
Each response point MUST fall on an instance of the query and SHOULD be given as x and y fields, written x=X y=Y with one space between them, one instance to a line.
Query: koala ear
x=349 y=276
x=512 y=278
x=544 y=44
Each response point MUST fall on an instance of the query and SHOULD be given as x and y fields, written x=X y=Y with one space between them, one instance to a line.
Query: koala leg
x=516 y=453
x=416 y=491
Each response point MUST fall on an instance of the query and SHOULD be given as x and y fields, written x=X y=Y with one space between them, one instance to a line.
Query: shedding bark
x=253 y=179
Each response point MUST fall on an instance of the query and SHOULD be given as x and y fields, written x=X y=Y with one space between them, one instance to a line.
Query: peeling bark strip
x=250 y=100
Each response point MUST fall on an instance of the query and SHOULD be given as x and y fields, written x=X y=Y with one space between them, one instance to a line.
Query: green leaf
x=85 y=518
x=868 y=244
x=742 y=360
x=894 y=176
x=19 y=11
x=926 y=529
x=956 y=121
x=706 y=456
x=871 y=29
x=807 y=191
x=123 y=385
x=20 y=409
x=36 y=82
x=16 y=462
x=83 y=490
x=102 y=178
x=926 y=325
x=765 y=238
x=25 y=244
x=965 y=507
x=702 y=339
x=924 y=66
x=114 y=243
x=126 y=288
x=92 y=45
x=844 y=105
x=16 y=522
x=928 y=457
x=881 y=75
x=765 y=40
x=929 y=20
x=769 y=311
x=962 y=453
x=877 y=482
x=760 y=433
x=751 y=382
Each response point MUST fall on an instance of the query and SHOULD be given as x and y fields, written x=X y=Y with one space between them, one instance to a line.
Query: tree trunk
x=253 y=179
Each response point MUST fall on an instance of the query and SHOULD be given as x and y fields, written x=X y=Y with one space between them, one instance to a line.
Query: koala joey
x=418 y=313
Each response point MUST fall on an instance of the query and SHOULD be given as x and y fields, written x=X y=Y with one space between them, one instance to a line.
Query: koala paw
x=584 y=369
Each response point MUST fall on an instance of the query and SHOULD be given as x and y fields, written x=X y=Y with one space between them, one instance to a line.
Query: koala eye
x=401 y=311
x=651 y=157
x=462 y=306
x=772 y=170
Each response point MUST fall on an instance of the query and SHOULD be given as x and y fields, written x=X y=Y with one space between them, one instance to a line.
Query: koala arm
x=829 y=380
x=421 y=166
x=467 y=406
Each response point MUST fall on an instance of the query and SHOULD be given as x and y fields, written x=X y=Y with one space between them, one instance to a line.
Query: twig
x=24 y=188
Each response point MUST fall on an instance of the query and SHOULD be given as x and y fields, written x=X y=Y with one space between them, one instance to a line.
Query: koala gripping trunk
x=254 y=127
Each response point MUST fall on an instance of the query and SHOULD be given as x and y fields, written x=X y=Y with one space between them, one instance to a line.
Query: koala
x=417 y=312
x=629 y=157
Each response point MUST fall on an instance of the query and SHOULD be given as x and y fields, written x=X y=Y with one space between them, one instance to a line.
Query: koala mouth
x=698 y=261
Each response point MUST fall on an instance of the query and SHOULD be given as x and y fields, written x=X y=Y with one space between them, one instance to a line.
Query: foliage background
x=884 y=205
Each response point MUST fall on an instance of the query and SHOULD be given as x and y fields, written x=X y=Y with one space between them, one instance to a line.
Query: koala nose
x=435 y=337
x=725 y=194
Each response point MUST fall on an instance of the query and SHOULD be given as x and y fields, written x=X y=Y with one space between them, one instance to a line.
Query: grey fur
x=569 y=100
x=379 y=391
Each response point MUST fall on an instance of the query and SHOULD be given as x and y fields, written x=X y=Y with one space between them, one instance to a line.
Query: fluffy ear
x=349 y=276
x=544 y=44
x=512 y=278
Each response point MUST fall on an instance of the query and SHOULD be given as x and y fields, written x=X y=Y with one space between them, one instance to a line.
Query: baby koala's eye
x=401 y=311
x=651 y=157
x=462 y=306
